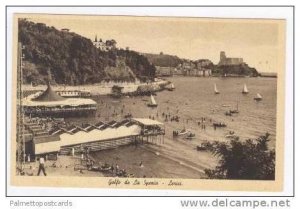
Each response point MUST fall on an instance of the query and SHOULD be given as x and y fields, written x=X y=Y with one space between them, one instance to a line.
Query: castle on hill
x=229 y=60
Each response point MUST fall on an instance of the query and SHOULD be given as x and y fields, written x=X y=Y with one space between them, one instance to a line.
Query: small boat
x=258 y=97
x=245 y=89
x=171 y=87
x=219 y=124
x=216 y=90
x=231 y=136
x=225 y=105
x=201 y=147
x=182 y=132
x=236 y=110
x=190 y=135
x=228 y=113
x=152 y=102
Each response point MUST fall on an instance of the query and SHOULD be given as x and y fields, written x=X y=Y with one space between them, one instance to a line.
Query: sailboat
x=258 y=97
x=171 y=87
x=236 y=110
x=216 y=90
x=245 y=89
x=152 y=102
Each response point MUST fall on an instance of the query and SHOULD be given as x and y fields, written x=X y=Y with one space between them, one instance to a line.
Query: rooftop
x=147 y=121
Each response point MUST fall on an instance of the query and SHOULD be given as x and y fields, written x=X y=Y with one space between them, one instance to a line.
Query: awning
x=147 y=122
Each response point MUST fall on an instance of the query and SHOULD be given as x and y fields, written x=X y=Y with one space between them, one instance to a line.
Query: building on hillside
x=165 y=71
x=199 y=68
x=228 y=60
x=105 y=45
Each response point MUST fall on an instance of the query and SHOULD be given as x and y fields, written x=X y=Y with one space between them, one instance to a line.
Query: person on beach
x=117 y=168
x=112 y=168
x=42 y=166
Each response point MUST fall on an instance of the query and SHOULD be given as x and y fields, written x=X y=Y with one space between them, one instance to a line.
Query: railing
x=152 y=132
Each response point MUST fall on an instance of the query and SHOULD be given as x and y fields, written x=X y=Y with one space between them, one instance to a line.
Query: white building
x=104 y=45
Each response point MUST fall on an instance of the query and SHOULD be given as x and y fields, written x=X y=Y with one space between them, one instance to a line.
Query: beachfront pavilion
x=49 y=103
x=151 y=130
x=93 y=137
x=98 y=137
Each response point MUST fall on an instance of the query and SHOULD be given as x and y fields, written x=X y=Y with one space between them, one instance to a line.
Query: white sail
x=258 y=96
x=216 y=90
x=245 y=90
x=153 y=102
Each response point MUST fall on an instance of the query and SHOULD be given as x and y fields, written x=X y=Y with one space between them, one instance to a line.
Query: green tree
x=250 y=159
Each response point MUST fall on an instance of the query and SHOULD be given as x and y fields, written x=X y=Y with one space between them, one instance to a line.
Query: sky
x=259 y=42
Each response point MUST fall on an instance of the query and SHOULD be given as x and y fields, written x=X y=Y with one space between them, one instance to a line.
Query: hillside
x=163 y=60
x=72 y=59
x=236 y=70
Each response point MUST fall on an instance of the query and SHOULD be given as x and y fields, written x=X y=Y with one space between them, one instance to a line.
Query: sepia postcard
x=148 y=102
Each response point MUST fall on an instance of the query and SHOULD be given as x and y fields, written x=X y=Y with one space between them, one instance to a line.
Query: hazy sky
x=259 y=42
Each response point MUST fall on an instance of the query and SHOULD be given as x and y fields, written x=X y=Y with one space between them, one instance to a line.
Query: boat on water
x=236 y=110
x=201 y=147
x=204 y=146
x=258 y=97
x=219 y=124
x=216 y=89
x=182 y=132
x=190 y=136
x=245 y=89
x=171 y=87
x=231 y=112
x=231 y=135
x=152 y=102
x=225 y=105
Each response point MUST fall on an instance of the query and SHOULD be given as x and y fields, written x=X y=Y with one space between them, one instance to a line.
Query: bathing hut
x=99 y=136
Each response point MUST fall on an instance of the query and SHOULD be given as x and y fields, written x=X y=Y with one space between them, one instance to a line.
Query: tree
x=250 y=159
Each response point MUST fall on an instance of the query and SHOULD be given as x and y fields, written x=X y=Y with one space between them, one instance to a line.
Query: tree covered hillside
x=164 y=60
x=72 y=59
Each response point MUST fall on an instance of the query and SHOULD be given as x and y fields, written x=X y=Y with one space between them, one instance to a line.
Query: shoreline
x=65 y=164
x=104 y=88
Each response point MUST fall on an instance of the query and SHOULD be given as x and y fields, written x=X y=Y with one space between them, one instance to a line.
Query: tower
x=95 y=38
x=222 y=56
